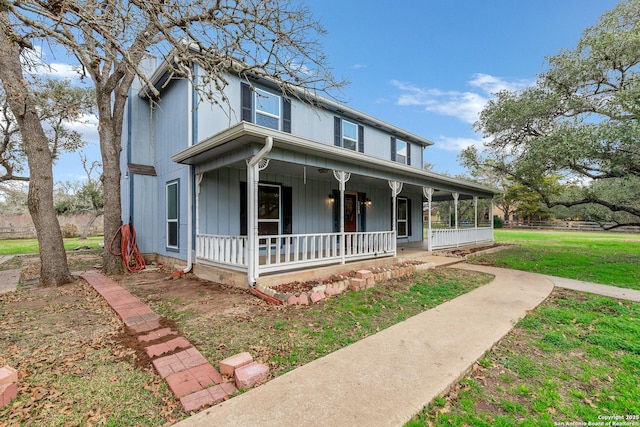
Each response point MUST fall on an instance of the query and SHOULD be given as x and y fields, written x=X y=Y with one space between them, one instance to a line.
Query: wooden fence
x=570 y=225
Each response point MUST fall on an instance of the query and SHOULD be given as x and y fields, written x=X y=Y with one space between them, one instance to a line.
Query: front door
x=350 y=213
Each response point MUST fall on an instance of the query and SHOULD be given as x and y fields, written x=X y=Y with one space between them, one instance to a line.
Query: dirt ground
x=50 y=334
x=53 y=334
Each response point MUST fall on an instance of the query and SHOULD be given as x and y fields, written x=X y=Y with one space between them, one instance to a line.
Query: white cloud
x=492 y=85
x=37 y=63
x=87 y=126
x=464 y=105
x=359 y=66
x=62 y=71
x=457 y=144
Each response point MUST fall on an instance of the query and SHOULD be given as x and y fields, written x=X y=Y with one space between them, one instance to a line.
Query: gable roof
x=162 y=76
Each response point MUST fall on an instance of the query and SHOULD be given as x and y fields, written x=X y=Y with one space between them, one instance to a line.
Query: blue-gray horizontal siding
x=170 y=129
x=312 y=209
x=144 y=213
x=306 y=121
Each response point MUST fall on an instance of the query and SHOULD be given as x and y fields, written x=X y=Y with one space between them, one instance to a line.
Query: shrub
x=69 y=230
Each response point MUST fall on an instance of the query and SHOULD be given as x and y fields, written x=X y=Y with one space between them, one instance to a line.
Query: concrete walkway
x=384 y=379
x=595 y=288
x=8 y=278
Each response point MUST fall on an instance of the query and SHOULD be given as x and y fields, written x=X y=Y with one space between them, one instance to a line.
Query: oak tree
x=111 y=38
x=580 y=122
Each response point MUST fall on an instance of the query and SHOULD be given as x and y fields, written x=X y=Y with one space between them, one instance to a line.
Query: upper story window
x=348 y=135
x=400 y=151
x=267 y=109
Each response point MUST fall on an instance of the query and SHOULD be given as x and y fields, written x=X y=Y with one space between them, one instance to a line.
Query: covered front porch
x=267 y=202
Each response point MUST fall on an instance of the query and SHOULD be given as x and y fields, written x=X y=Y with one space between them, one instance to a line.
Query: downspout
x=190 y=137
x=252 y=210
x=130 y=175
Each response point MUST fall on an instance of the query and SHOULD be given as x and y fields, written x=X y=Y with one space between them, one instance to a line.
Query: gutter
x=252 y=209
x=190 y=138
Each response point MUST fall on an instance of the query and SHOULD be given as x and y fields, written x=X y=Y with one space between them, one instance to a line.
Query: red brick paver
x=178 y=362
x=230 y=364
x=194 y=379
x=215 y=394
x=187 y=372
x=167 y=347
x=154 y=335
x=248 y=375
x=8 y=392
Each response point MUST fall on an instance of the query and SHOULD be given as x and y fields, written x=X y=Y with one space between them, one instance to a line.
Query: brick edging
x=361 y=279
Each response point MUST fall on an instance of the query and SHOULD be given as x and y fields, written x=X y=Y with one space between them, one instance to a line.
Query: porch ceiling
x=232 y=146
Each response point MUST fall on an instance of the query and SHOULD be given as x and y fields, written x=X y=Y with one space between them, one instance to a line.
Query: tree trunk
x=110 y=149
x=87 y=227
x=54 y=269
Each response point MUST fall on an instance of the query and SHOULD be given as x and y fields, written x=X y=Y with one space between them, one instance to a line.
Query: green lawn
x=572 y=361
x=27 y=246
x=608 y=258
x=575 y=360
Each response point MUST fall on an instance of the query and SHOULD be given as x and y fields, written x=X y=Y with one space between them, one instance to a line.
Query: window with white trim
x=349 y=135
x=267 y=109
x=401 y=151
x=269 y=209
x=402 y=217
x=172 y=214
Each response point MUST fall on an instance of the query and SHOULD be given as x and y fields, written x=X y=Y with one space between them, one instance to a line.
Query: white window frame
x=175 y=220
x=400 y=158
x=405 y=221
x=272 y=220
x=257 y=94
x=354 y=141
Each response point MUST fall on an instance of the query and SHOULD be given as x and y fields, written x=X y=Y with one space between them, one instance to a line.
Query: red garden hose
x=129 y=252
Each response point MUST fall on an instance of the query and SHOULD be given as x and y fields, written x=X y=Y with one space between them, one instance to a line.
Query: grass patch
x=572 y=360
x=289 y=338
x=607 y=258
x=30 y=246
x=74 y=371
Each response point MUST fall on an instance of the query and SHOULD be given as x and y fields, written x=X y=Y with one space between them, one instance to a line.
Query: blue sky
x=430 y=66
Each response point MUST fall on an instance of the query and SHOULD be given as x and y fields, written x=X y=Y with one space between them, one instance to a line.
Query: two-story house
x=260 y=182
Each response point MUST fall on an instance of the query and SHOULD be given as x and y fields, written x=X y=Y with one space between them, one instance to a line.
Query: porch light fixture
x=330 y=196
x=367 y=202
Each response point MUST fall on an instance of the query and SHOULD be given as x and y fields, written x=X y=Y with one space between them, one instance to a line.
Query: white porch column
x=455 y=206
x=428 y=193
x=198 y=184
x=396 y=188
x=254 y=166
x=475 y=223
x=342 y=178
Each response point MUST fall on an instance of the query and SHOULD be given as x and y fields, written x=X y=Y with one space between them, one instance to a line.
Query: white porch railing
x=226 y=250
x=368 y=245
x=451 y=237
x=289 y=251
